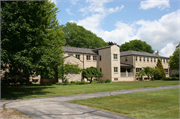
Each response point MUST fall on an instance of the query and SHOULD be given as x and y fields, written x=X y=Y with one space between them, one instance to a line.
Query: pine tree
x=162 y=73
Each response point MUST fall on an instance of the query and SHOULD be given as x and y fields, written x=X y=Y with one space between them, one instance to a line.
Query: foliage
x=68 y=68
x=161 y=73
x=26 y=35
x=170 y=79
x=78 y=36
x=107 y=81
x=91 y=72
x=174 y=60
x=94 y=82
x=112 y=43
x=175 y=74
x=141 y=74
x=137 y=45
x=149 y=71
x=101 y=81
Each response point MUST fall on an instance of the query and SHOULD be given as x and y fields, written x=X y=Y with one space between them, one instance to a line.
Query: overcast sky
x=155 y=21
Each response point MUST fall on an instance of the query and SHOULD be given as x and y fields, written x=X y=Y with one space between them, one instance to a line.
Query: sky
x=157 y=22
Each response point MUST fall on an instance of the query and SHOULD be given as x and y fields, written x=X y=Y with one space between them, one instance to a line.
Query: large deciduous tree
x=136 y=45
x=91 y=72
x=27 y=27
x=78 y=36
x=174 y=59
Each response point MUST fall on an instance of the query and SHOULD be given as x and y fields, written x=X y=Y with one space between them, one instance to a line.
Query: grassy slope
x=152 y=104
x=22 y=92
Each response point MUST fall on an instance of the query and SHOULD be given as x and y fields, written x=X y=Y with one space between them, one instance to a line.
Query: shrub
x=73 y=83
x=94 y=82
x=107 y=81
x=175 y=74
x=100 y=81
x=59 y=83
x=78 y=82
x=170 y=78
x=49 y=83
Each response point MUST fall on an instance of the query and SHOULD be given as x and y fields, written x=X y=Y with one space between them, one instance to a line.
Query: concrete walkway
x=58 y=108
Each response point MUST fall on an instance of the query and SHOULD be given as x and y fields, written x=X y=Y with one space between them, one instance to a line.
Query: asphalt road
x=59 y=108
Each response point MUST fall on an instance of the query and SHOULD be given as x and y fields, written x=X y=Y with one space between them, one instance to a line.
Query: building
x=115 y=65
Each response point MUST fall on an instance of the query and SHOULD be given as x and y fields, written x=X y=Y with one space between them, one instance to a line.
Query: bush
x=100 y=81
x=59 y=83
x=107 y=81
x=94 y=82
x=170 y=79
x=175 y=74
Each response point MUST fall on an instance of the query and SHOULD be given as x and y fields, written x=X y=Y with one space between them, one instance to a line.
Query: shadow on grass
x=21 y=92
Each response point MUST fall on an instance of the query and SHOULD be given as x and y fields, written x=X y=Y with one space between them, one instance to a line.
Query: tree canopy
x=91 y=72
x=78 y=36
x=174 y=60
x=162 y=73
x=27 y=32
x=136 y=45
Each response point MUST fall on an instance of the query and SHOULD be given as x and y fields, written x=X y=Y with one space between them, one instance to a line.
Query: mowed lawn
x=23 y=92
x=152 y=104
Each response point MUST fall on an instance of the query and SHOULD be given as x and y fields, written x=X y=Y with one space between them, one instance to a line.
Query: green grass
x=23 y=92
x=152 y=104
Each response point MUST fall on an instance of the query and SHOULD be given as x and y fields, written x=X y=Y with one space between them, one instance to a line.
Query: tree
x=68 y=68
x=112 y=43
x=141 y=74
x=162 y=73
x=174 y=60
x=149 y=72
x=25 y=32
x=136 y=45
x=78 y=36
x=91 y=72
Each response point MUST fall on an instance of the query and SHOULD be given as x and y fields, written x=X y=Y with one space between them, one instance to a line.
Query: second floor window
x=100 y=58
x=139 y=58
x=144 y=59
x=154 y=59
x=88 y=57
x=126 y=59
x=78 y=56
x=136 y=58
x=115 y=56
x=115 y=69
x=70 y=54
x=148 y=59
x=94 y=57
x=151 y=60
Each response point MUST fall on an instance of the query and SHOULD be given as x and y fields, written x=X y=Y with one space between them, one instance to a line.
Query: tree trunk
x=91 y=80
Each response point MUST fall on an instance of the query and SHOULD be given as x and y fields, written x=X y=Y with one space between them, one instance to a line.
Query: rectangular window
x=167 y=61
x=148 y=59
x=138 y=69
x=115 y=69
x=78 y=56
x=94 y=57
x=136 y=58
x=115 y=79
x=166 y=70
x=164 y=60
x=154 y=59
x=139 y=58
x=144 y=59
x=100 y=70
x=70 y=54
x=100 y=58
x=151 y=59
x=88 y=57
x=115 y=56
x=126 y=59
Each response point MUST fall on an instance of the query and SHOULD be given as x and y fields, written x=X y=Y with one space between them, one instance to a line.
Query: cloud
x=168 y=50
x=74 y=2
x=55 y=2
x=68 y=11
x=148 y=4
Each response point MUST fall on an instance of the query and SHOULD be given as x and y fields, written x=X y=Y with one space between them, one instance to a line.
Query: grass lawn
x=152 y=104
x=23 y=92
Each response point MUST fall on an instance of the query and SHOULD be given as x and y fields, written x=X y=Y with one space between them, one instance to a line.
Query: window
x=88 y=57
x=166 y=70
x=115 y=56
x=164 y=60
x=136 y=58
x=138 y=69
x=154 y=59
x=126 y=59
x=115 y=79
x=78 y=56
x=148 y=59
x=70 y=54
x=100 y=58
x=94 y=57
x=151 y=59
x=100 y=70
x=115 y=69
x=144 y=59
x=167 y=61
x=139 y=58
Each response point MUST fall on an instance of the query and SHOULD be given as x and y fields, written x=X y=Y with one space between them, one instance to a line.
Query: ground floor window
x=115 y=79
x=166 y=70
x=115 y=69
x=138 y=69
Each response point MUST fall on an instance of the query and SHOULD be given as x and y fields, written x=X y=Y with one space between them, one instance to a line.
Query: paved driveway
x=58 y=108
